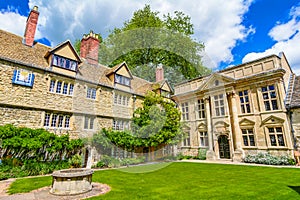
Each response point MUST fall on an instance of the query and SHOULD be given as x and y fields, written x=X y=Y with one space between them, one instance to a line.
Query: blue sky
x=233 y=31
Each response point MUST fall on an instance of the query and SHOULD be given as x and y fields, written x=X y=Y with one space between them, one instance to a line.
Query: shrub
x=179 y=156
x=268 y=159
x=31 y=168
x=201 y=154
x=108 y=161
x=76 y=161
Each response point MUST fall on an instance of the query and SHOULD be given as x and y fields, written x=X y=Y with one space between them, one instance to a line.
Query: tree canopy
x=147 y=40
x=156 y=123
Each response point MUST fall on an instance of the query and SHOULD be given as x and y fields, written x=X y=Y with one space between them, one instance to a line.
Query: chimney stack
x=31 y=24
x=159 y=73
x=89 y=48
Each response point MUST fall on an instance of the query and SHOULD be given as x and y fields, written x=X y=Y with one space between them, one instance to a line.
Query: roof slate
x=295 y=101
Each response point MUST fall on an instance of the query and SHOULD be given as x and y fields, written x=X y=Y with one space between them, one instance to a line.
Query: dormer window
x=122 y=80
x=64 y=63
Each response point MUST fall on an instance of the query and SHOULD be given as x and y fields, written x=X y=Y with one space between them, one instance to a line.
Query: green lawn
x=190 y=181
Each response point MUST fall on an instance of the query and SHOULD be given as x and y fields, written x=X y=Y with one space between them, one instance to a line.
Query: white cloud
x=13 y=22
x=287 y=37
x=217 y=23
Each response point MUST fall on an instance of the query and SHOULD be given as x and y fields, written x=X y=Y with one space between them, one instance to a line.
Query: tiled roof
x=12 y=49
x=295 y=101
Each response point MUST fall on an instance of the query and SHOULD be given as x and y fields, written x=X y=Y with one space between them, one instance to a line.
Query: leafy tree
x=146 y=40
x=156 y=123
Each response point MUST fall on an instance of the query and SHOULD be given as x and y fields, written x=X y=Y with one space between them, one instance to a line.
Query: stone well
x=71 y=181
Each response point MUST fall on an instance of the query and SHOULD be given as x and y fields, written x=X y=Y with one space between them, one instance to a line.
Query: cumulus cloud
x=287 y=38
x=13 y=22
x=218 y=24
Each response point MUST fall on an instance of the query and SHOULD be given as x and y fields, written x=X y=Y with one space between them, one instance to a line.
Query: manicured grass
x=193 y=181
x=28 y=184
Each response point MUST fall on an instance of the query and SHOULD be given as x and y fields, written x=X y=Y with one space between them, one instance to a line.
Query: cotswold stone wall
x=26 y=106
x=296 y=126
x=20 y=117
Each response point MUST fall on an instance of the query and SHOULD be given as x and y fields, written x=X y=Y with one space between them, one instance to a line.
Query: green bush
x=201 y=154
x=24 y=143
x=108 y=161
x=76 y=161
x=31 y=168
x=268 y=159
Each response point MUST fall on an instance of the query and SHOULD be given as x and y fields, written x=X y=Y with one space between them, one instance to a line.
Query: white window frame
x=56 y=120
x=219 y=103
x=185 y=111
x=91 y=93
x=270 y=101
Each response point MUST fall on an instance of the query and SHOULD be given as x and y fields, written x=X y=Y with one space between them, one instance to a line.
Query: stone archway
x=224 y=148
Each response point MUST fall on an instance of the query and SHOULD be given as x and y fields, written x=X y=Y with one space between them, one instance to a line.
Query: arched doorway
x=224 y=149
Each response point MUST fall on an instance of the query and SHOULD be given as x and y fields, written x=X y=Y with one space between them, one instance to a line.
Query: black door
x=224 y=150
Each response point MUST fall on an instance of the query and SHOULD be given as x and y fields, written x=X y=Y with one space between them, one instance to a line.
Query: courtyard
x=188 y=180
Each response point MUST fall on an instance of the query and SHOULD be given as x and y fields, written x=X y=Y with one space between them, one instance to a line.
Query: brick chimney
x=89 y=48
x=31 y=24
x=159 y=73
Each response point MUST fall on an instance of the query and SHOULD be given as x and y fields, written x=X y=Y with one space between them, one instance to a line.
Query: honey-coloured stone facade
x=242 y=110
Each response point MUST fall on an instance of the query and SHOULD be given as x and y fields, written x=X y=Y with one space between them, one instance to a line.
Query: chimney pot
x=89 y=48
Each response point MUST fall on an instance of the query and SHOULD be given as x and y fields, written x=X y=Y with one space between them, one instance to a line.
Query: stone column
x=237 y=134
x=210 y=154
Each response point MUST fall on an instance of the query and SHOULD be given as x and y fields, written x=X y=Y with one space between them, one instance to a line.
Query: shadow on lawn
x=296 y=188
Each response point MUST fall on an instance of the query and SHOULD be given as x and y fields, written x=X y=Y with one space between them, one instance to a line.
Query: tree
x=154 y=124
x=146 y=41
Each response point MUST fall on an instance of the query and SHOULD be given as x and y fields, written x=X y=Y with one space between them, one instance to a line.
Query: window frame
x=57 y=120
x=120 y=124
x=244 y=101
x=186 y=142
x=123 y=80
x=275 y=133
x=219 y=109
x=201 y=109
x=91 y=93
x=64 y=63
x=89 y=122
x=203 y=139
x=248 y=133
x=185 y=111
x=267 y=98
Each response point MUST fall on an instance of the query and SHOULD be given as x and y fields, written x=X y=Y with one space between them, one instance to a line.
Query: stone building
x=239 y=110
x=63 y=92
x=293 y=107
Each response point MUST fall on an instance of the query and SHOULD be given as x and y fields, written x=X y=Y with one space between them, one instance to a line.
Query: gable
x=271 y=120
x=246 y=122
x=215 y=80
x=120 y=69
x=124 y=71
x=202 y=127
x=65 y=50
x=221 y=127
